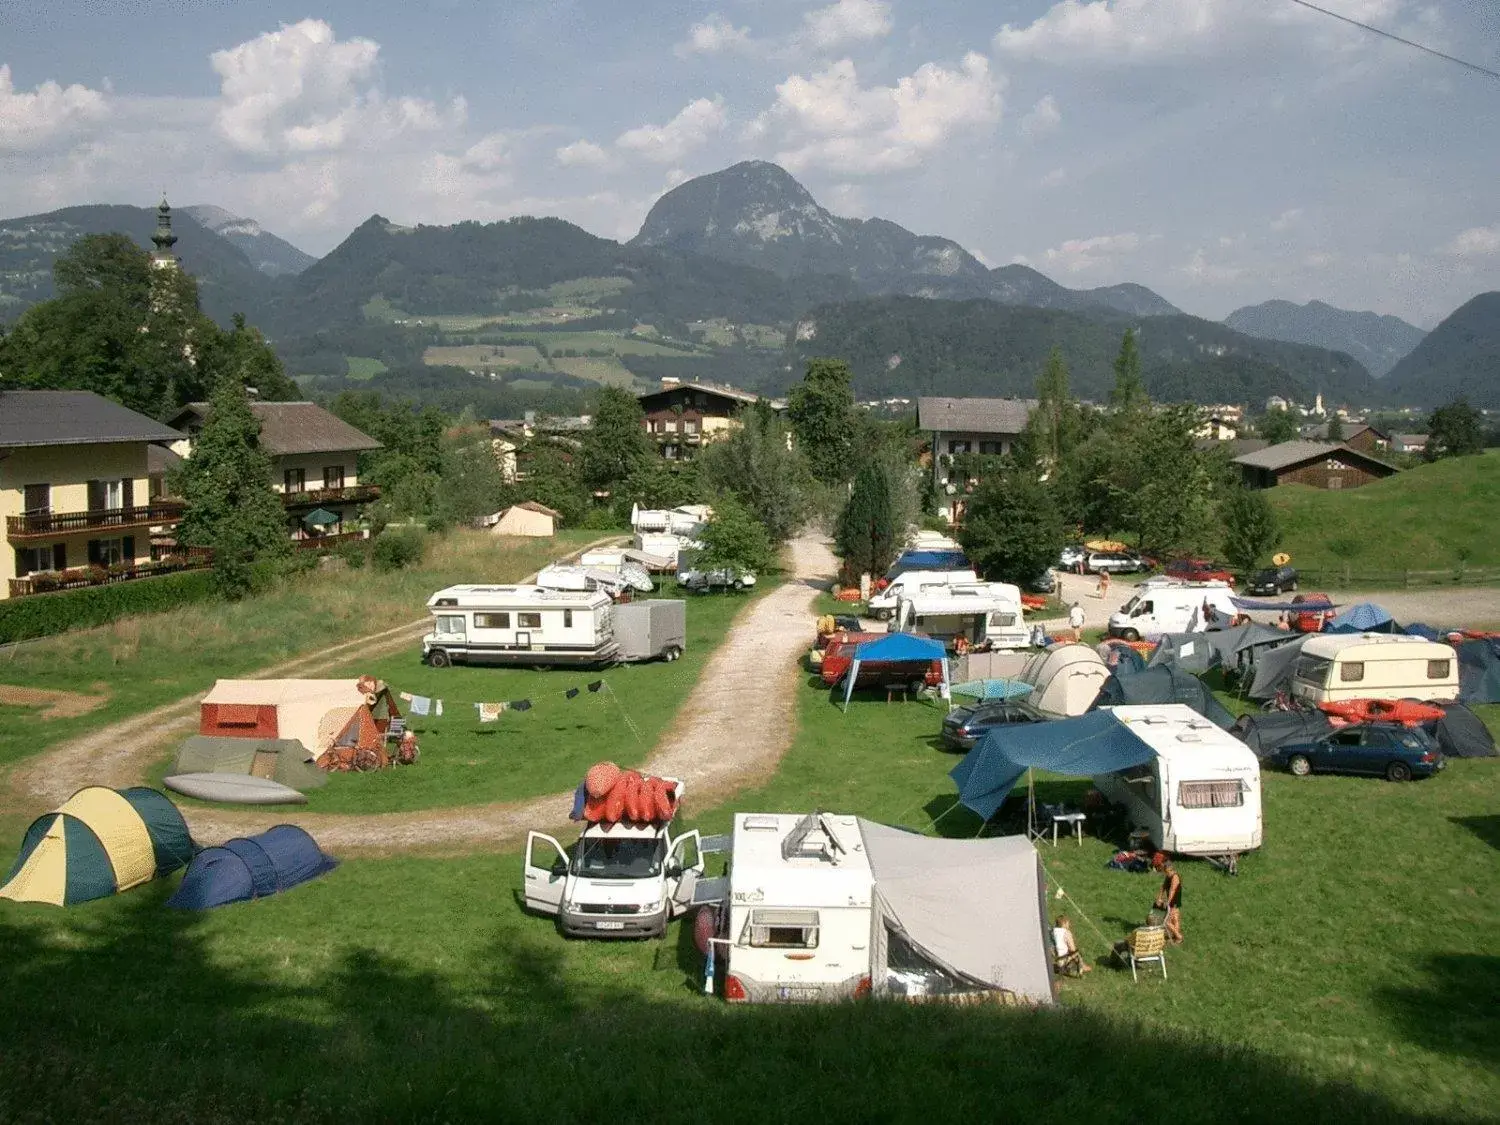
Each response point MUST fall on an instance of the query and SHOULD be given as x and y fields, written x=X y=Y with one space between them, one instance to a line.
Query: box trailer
x=651 y=630
x=1336 y=667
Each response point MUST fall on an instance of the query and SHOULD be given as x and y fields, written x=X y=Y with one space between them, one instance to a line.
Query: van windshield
x=1129 y=606
x=629 y=858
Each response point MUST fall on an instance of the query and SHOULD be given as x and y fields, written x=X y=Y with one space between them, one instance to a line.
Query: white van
x=882 y=605
x=617 y=880
x=1199 y=794
x=1154 y=610
x=1336 y=667
x=978 y=612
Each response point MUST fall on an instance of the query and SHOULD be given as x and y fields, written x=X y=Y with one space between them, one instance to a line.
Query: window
x=452 y=625
x=1003 y=620
x=958 y=447
x=1335 y=482
x=528 y=620
x=294 y=480
x=669 y=427
x=690 y=427
x=333 y=476
x=783 y=929
x=111 y=551
x=1438 y=669
x=37 y=500
x=490 y=621
x=567 y=619
x=1226 y=794
x=1313 y=670
x=29 y=560
x=669 y=452
x=991 y=448
x=1349 y=738
x=1351 y=671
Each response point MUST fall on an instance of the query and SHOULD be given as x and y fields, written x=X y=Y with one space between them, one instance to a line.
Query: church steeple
x=164 y=239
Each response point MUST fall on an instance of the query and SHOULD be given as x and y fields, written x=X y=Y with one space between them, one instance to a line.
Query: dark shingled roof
x=1288 y=453
x=974 y=415
x=72 y=418
x=288 y=428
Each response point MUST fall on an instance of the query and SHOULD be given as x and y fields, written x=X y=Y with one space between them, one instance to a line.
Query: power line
x=1486 y=71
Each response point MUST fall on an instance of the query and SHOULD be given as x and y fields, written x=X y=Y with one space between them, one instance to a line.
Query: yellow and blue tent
x=101 y=842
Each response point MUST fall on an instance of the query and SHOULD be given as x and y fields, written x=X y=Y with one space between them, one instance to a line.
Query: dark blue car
x=1392 y=752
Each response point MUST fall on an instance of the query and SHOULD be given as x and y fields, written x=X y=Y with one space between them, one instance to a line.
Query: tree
x=1056 y=425
x=821 y=409
x=1013 y=530
x=733 y=539
x=1129 y=391
x=755 y=465
x=616 y=444
x=226 y=484
x=1251 y=529
x=1170 y=502
x=659 y=484
x=471 y=484
x=1278 y=425
x=1454 y=430
x=552 y=479
x=1335 y=427
x=867 y=536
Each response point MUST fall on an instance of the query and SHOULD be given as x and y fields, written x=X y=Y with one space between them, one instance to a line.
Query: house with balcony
x=314 y=466
x=961 y=431
x=83 y=494
x=681 y=417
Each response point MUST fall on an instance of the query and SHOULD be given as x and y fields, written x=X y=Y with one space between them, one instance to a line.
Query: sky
x=1222 y=152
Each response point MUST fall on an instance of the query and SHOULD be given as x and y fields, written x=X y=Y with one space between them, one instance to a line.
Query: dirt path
x=55 y=704
x=733 y=729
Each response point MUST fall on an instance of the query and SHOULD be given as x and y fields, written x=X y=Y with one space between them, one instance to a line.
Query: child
x=1066 y=958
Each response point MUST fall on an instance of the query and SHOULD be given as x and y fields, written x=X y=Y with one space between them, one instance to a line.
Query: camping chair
x=1144 y=945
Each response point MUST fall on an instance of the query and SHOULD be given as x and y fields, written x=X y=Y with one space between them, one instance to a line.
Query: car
x=964 y=726
x=1071 y=556
x=1272 y=580
x=1197 y=570
x=1392 y=752
x=1116 y=562
x=1311 y=620
x=715 y=579
x=1043 y=583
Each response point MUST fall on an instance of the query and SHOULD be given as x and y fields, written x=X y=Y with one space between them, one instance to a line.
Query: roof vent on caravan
x=761 y=823
x=801 y=841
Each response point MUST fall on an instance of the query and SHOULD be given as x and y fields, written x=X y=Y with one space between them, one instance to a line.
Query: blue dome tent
x=251 y=867
x=1366 y=617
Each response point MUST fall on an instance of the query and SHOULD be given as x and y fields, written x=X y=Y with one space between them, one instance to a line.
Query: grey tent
x=1462 y=734
x=1270 y=730
x=279 y=759
x=1479 y=670
x=1237 y=647
x=1274 y=668
x=1166 y=683
x=972 y=911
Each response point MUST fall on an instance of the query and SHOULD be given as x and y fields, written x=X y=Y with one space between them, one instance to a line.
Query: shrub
x=24 y=618
x=354 y=554
x=395 y=550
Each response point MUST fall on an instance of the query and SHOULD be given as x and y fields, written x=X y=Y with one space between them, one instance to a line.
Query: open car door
x=685 y=858
x=546 y=873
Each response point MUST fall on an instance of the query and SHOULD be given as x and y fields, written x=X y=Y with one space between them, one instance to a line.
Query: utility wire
x=1486 y=71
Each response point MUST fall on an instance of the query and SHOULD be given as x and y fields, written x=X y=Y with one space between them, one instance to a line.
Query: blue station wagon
x=1392 y=752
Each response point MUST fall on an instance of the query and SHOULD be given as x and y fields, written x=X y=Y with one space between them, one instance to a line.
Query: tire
x=672 y=654
x=1130 y=635
x=738 y=585
x=1293 y=586
x=1299 y=765
x=437 y=658
x=1398 y=771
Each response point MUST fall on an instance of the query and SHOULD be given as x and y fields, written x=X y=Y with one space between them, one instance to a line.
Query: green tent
x=281 y=759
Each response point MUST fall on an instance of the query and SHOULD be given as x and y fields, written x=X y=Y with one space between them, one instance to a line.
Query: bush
x=395 y=550
x=354 y=554
x=37 y=616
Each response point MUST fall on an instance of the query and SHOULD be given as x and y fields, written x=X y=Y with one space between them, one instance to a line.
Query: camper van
x=1199 y=794
x=1173 y=608
x=977 y=612
x=826 y=907
x=618 y=880
x=536 y=626
x=882 y=605
x=1334 y=667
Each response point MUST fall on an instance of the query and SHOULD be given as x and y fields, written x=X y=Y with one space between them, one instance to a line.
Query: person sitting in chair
x=1066 y=960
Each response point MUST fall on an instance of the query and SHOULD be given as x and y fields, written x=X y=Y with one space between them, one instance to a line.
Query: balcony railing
x=315 y=542
x=48 y=582
x=318 y=497
x=49 y=525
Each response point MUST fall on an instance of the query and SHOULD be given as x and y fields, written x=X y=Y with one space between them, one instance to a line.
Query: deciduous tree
x=821 y=409
x=733 y=539
x=1454 y=430
x=1251 y=529
x=616 y=444
x=1013 y=530
x=756 y=465
x=1277 y=425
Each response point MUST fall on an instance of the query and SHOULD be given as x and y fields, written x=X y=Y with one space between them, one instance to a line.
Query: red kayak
x=1407 y=712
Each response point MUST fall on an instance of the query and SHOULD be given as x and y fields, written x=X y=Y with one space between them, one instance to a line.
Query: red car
x=838 y=658
x=1198 y=570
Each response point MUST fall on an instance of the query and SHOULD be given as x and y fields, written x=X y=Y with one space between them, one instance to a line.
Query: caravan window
x=1351 y=671
x=783 y=929
x=1005 y=620
x=567 y=619
x=528 y=621
x=1438 y=669
x=490 y=621
x=1227 y=794
x=451 y=625
x=1313 y=669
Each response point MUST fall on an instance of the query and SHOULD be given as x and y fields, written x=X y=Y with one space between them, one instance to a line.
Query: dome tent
x=251 y=867
x=100 y=842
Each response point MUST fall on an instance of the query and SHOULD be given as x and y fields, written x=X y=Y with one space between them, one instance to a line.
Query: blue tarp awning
x=1261 y=605
x=1366 y=617
x=1090 y=744
x=931 y=560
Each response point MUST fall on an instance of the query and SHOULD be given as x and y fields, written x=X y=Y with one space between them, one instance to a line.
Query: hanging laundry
x=521 y=705
x=489 y=712
x=421 y=705
x=439 y=707
x=571 y=693
x=596 y=685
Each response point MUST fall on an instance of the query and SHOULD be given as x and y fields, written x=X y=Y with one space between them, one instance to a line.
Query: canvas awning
x=1198 y=652
x=1090 y=744
x=1274 y=668
x=320 y=517
x=932 y=560
x=1166 y=683
x=895 y=648
x=1256 y=605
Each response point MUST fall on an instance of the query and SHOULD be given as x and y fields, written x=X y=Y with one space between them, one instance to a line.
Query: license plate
x=786 y=993
x=610 y=925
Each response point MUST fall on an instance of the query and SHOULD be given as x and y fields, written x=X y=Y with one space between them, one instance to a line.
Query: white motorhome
x=978 y=612
x=1173 y=608
x=475 y=624
x=1335 y=667
x=1198 y=794
x=616 y=880
x=882 y=605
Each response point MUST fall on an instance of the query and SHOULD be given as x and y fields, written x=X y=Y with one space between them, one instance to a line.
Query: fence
x=1348 y=576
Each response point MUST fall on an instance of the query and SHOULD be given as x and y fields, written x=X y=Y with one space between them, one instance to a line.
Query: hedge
x=40 y=615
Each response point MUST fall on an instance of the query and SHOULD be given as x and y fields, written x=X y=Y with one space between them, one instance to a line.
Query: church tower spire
x=164 y=239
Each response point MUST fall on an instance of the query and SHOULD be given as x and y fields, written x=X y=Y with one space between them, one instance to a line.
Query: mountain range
x=1460 y=358
x=271 y=255
x=1378 y=342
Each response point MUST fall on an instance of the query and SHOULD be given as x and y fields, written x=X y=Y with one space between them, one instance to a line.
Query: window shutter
x=59 y=556
x=128 y=550
x=94 y=552
x=96 y=495
x=127 y=493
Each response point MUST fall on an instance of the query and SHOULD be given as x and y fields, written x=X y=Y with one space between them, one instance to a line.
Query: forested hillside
x=1458 y=358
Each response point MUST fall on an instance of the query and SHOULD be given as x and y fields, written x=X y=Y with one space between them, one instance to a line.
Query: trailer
x=651 y=630
x=616 y=583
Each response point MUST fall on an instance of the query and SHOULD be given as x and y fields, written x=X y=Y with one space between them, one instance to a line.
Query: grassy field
x=611 y=372
x=364 y=367
x=484 y=355
x=1434 y=517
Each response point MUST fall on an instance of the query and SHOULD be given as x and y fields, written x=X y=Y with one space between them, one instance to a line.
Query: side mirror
x=559 y=867
x=674 y=870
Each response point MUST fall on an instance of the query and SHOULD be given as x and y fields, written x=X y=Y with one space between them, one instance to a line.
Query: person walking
x=1104 y=584
x=1075 y=622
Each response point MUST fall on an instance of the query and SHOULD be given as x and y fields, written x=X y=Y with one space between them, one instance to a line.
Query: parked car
x=1116 y=562
x=715 y=579
x=1043 y=583
x=1392 y=752
x=1198 y=570
x=1071 y=556
x=1311 y=620
x=964 y=726
x=1272 y=580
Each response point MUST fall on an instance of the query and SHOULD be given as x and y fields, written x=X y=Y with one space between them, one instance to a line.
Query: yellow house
x=81 y=494
x=314 y=465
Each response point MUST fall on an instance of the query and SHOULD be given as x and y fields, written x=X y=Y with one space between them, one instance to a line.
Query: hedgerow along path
x=732 y=730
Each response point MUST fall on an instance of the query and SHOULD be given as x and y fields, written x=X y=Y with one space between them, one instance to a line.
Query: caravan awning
x=1260 y=605
x=1093 y=743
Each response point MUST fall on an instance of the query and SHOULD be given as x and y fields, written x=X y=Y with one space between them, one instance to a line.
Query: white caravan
x=977 y=612
x=1177 y=608
x=621 y=559
x=882 y=605
x=686 y=520
x=1335 y=667
x=560 y=576
x=663 y=545
x=617 y=880
x=1199 y=794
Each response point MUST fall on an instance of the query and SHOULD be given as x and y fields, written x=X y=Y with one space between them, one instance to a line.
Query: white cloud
x=1042 y=118
x=582 y=154
x=847 y=21
x=828 y=120
x=713 y=36
x=1084 y=255
x=32 y=119
x=1287 y=219
x=1476 y=242
x=300 y=90
x=1055 y=178
x=697 y=123
x=1204 y=272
